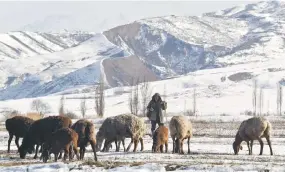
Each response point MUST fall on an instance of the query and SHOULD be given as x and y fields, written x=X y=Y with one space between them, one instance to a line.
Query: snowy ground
x=211 y=150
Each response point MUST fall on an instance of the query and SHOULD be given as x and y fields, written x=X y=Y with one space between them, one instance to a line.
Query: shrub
x=71 y=115
x=11 y=114
x=34 y=115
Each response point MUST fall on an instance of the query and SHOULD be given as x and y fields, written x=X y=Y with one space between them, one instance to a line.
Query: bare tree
x=254 y=96
x=164 y=96
x=83 y=106
x=61 y=106
x=194 y=102
x=40 y=106
x=100 y=97
x=134 y=97
x=279 y=99
x=145 y=95
x=131 y=97
x=260 y=101
x=136 y=102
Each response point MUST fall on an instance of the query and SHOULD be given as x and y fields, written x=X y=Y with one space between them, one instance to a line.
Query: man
x=154 y=111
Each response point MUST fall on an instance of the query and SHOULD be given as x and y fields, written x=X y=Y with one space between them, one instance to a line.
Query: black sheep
x=17 y=126
x=40 y=131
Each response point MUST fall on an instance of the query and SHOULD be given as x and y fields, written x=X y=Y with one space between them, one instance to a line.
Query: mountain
x=173 y=45
x=23 y=44
x=249 y=37
x=67 y=71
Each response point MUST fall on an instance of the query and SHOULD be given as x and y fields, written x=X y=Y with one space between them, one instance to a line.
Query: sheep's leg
x=173 y=139
x=71 y=153
x=188 y=142
x=132 y=141
x=9 y=141
x=123 y=142
x=60 y=155
x=161 y=148
x=251 y=145
x=182 y=152
x=166 y=147
x=261 y=146
x=107 y=142
x=81 y=152
x=66 y=152
x=55 y=157
x=116 y=144
x=75 y=149
x=17 y=142
x=247 y=142
x=269 y=144
x=36 y=155
x=135 y=145
x=93 y=146
x=119 y=144
x=157 y=148
x=142 y=145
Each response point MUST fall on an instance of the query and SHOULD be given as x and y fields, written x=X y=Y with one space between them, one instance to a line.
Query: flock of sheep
x=57 y=134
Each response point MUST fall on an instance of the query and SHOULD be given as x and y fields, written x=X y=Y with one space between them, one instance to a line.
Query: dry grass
x=110 y=164
x=34 y=115
x=17 y=163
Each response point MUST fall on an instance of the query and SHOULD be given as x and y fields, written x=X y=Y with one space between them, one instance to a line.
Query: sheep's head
x=236 y=147
x=46 y=152
x=99 y=140
x=26 y=147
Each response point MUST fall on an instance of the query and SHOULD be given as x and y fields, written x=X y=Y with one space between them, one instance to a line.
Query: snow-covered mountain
x=238 y=38
x=243 y=34
x=23 y=44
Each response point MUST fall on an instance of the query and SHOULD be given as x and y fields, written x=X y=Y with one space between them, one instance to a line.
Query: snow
x=69 y=68
x=224 y=97
x=208 y=153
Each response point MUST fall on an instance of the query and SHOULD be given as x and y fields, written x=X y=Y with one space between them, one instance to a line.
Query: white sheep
x=253 y=129
x=180 y=128
x=118 y=128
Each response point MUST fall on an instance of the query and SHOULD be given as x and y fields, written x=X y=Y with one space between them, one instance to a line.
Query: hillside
x=177 y=45
x=238 y=39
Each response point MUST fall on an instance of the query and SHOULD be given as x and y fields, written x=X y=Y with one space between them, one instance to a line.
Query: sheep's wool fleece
x=254 y=128
x=135 y=124
x=121 y=122
x=180 y=127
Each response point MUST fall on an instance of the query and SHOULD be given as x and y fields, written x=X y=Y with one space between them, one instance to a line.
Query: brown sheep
x=86 y=132
x=253 y=129
x=40 y=130
x=160 y=138
x=180 y=128
x=17 y=126
x=63 y=139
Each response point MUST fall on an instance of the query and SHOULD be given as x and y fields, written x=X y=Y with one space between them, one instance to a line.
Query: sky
x=95 y=15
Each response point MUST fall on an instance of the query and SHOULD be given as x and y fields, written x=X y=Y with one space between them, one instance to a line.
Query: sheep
x=86 y=131
x=120 y=127
x=17 y=126
x=253 y=129
x=40 y=131
x=63 y=139
x=180 y=128
x=160 y=138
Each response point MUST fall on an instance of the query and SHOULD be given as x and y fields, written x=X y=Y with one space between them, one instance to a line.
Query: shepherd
x=154 y=111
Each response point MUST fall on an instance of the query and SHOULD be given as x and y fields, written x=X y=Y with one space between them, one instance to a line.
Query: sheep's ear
x=240 y=147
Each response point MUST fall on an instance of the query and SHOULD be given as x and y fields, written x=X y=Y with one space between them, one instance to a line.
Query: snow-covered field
x=211 y=150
